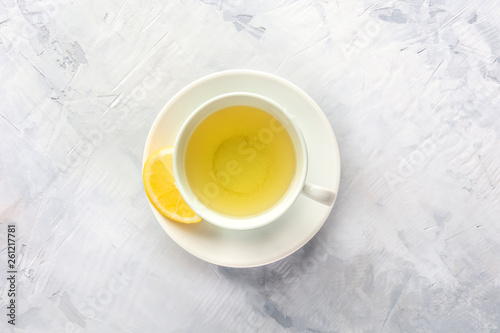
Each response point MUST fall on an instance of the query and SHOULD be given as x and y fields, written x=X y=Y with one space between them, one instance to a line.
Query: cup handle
x=319 y=194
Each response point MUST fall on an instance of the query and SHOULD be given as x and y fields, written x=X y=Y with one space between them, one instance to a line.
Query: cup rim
x=239 y=222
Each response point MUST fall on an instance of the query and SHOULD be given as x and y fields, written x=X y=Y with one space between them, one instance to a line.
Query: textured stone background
x=411 y=89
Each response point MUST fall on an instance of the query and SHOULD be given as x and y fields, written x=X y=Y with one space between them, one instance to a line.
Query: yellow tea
x=240 y=161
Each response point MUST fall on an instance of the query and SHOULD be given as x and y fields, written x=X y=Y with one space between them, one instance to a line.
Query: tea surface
x=240 y=161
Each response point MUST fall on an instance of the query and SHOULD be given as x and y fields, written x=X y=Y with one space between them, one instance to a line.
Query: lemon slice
x=159 y=183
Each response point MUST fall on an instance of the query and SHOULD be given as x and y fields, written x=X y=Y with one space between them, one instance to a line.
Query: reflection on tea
x=240 y=161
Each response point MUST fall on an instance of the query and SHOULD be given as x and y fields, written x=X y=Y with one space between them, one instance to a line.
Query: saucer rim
x=333 y=150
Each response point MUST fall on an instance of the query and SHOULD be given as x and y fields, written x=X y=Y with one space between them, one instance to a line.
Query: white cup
x=297 y=186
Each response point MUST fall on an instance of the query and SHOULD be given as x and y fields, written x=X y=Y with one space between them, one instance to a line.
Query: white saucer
x=249 y=248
